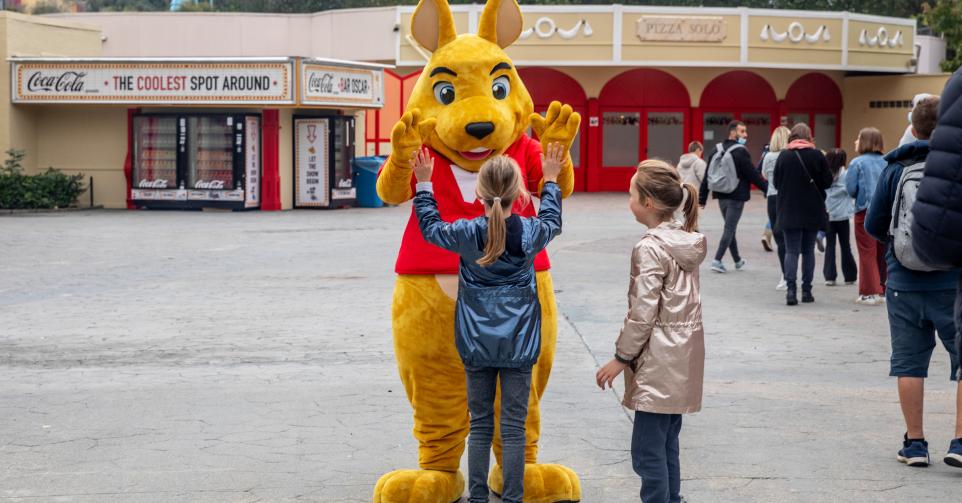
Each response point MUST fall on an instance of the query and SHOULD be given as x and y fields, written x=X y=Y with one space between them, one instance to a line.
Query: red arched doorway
x=740 y=95
x=546 y=85
x=816 y=100
x=644 y=114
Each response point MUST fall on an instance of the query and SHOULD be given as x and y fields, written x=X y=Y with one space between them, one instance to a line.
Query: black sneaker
x=914 y=452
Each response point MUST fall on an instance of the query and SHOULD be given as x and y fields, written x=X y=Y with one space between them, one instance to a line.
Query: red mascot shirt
x=417 y=256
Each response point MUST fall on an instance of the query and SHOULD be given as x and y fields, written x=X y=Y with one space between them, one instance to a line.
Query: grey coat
x=497 y=319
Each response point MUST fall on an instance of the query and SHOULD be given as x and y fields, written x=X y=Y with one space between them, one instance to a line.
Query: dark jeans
x=654 y=456
x=914 y=320
x=731 y=211
x=776 y=233
x=799 y=242
x=840 y=231
x=515 y=388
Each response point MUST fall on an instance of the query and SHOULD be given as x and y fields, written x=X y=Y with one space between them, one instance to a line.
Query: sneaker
x=914 y=452
x=740 y=264
x=782 y=285
x=954 y=456
x=849 y=283
x=868 y=300
x=830 y=283
x=717 y=266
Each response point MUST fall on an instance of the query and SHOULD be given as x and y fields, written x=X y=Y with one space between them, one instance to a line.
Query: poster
x=311 y=170
x=252 y=162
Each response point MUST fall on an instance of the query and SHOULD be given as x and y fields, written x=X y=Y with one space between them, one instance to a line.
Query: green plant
x=945 y=19
x=50 y=189
x=45 y=8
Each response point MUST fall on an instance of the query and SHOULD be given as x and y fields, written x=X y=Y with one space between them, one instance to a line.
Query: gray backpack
x=722 y=175
x=900 y=229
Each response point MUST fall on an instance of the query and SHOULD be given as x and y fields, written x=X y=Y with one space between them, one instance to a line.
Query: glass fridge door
x=342 y=182
x=210 y=154
x=155 y=152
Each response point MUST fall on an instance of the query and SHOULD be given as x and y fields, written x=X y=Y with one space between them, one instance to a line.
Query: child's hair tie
x=497 y=200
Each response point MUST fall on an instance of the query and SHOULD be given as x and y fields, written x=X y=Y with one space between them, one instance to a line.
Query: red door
x=738 y=95
x=546 y=85
x=644 y=114
x=816 y=100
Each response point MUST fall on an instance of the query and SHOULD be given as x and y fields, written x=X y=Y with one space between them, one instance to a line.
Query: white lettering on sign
x=153 y=82
x=152 y=184
x=252 y=162
x=681 y=29
x=335 y=85
x=212 y=184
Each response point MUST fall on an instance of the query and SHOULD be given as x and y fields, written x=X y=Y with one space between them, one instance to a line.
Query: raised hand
x=559 y=125
x=408 y=135
x=423 y=164
x=552 y=160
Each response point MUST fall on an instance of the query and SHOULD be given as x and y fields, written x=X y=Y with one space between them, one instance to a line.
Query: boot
x=791 y=298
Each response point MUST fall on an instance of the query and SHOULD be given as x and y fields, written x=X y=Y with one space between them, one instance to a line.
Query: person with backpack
x=937 y=218
x=729 y=178
x=801 y=178
x=920 y=298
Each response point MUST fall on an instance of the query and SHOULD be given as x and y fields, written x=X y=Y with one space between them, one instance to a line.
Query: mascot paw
x=419 y=486
x=542 y=483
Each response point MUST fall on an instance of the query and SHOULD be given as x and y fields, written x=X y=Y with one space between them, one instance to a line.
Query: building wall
x=860 y=92
x=91 y=140
x=22 y=35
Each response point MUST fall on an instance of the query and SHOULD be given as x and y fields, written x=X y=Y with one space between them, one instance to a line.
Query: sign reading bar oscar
x=681 y=29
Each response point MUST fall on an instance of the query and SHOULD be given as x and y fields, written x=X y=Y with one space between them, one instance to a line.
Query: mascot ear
x=432 y=24
x=501 y=22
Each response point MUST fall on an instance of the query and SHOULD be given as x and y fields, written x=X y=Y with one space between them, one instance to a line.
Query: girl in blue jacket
x=498 y=316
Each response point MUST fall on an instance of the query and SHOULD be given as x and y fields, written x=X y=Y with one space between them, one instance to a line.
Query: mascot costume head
x=468 y=105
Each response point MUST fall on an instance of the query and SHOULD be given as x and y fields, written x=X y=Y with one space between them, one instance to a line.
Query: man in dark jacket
x=733 y=203
x=937 y=226
x=919 y=303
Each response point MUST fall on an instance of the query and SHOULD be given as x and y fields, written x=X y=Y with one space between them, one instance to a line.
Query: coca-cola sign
x=153 y=184
x=209 y=184
x=324 y=84
x=62 y=80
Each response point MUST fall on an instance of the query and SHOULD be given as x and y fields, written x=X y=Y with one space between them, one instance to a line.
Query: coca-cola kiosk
x=195 y=161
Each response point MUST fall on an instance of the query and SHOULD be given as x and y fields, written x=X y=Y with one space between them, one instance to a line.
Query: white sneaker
x=782 y=285
x=868 y=300
x=830 y=283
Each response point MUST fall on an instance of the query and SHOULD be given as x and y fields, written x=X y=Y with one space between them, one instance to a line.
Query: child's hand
x=552 y=160
x=423 y=164
x=608 y=373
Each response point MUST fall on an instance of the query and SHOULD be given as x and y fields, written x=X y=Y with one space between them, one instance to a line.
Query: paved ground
x=158 y=356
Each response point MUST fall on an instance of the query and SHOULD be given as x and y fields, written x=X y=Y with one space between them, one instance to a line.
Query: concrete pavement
x=167 y=356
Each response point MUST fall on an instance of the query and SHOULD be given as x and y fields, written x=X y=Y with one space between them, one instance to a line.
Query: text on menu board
x=337 y=85
x=165 y=82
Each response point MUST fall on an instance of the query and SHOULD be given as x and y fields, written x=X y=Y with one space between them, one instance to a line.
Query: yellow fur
x=423 y=315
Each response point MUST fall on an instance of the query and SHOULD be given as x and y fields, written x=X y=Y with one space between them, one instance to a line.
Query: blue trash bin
x=365 y=179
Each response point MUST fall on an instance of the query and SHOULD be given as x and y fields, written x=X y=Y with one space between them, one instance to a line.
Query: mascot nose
x=479 y=129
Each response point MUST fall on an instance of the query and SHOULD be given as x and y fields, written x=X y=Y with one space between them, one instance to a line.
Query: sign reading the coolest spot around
x=164 y=82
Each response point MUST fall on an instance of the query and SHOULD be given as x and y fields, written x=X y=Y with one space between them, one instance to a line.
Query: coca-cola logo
x=63 y=82
x=320 y=83
x=152 y=184
x=213 y=184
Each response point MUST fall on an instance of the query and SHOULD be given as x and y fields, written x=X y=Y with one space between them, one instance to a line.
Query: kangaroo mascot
x=467 y=106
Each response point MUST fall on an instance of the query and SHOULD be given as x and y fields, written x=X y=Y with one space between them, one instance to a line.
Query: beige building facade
x=646 y=79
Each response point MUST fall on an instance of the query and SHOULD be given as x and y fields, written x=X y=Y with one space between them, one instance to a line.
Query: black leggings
x=840 y=231
x=777 y=234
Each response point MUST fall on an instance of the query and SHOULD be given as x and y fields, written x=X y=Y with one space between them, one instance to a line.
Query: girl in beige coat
x=661 y=348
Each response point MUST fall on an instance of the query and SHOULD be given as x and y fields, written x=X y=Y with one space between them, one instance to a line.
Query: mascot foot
x=419 y=486
x=542 y=483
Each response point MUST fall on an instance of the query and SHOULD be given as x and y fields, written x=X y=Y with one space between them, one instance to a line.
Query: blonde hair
x=779 y=139
x=499 y=184
x=658 y=182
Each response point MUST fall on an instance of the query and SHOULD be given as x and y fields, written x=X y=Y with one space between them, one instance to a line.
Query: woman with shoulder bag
x=801 y=177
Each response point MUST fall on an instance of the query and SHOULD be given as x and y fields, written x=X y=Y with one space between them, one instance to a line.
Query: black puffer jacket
x=937 y=229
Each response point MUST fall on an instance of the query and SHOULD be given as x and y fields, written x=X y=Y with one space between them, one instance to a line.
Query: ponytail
x=496 y=234
x=690 y=207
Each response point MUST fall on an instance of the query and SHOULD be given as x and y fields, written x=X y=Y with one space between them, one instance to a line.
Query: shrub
x=50 y=189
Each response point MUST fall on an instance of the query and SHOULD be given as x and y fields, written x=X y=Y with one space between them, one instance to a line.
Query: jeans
x=914 y=319
x=799 y=242
x=654 y=456
x=872 y=269
x=515 y=388
x=839 y=230
x=731 y=211
x=777 y=233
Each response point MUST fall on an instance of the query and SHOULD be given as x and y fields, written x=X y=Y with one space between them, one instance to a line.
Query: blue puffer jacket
x=862 y=177
x=937 y=229
x=497 y=319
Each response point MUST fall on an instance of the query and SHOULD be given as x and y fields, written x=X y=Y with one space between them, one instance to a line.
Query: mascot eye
x=501 y=88
x=444 y=93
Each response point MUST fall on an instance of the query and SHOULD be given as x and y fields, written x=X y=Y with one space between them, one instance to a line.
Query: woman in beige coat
x=661 y=348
